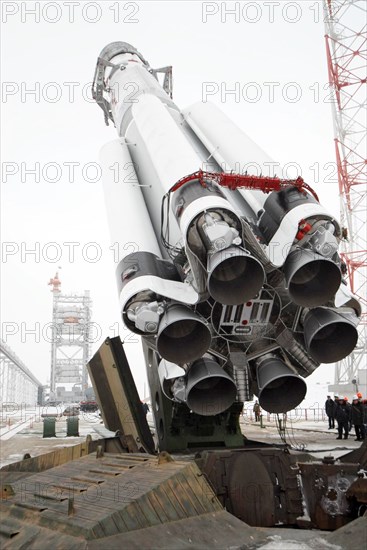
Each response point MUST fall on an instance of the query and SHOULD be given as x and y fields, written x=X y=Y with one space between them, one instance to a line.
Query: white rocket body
x=214 y=272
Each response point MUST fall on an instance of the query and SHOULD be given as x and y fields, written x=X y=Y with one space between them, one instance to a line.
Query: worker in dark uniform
x=364 y=405
x=145 y=407
x=330 y=411
x=257 y=411
x=336 y=405
x=357 y=418
x=343 y=417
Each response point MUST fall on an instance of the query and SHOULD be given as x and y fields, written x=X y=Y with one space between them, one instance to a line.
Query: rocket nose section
x=116 y=48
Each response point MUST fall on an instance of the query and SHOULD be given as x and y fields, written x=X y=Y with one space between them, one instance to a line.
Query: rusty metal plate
x=259 y=486
x=325 y=487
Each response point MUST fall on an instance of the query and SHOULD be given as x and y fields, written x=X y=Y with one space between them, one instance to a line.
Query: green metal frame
x=178 y=429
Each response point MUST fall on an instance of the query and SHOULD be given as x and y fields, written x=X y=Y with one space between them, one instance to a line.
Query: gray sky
x=270 y=54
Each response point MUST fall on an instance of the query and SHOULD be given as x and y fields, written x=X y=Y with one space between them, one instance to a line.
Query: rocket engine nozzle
x=330 y=335
x=234 y=276
x=209 y=389
x=183 y=335
x=280 y=389
x=312 y=279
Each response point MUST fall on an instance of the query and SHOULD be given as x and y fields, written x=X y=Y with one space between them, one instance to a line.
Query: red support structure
x=236 y=181
x=346 y=47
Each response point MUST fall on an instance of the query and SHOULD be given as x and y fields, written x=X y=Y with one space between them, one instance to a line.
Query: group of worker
x=347 y=415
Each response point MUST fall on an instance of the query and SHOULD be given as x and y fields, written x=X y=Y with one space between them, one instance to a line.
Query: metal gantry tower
x=346 y=46
x=18 y=385
x=70 y=348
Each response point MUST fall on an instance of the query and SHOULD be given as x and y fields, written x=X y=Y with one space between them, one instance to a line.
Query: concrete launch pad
x=24 y=435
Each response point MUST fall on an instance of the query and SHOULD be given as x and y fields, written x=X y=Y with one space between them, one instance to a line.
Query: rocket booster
x=233 y=280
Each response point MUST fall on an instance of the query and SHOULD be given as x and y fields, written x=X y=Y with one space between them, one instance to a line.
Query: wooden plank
x=76 y=451
x=109 y=526
x=146 y=509
x=18 y=512
x=104 y=472
x=48 y=460
x=91 y=481
x=98 y=510
x=166 y=503
x=33 y=507
x=119 y=497
x=54 y=506
x=73 y=526
x=95 y=533
x=180 y=510
x=157 y=507
x=191 y=495
x=118 y=491
x=131 y=518
x=43 y=484
x=205 y=494
x=118 y=466
x=54 y=540
x=120 y=524
x=70 y=487
x=62 y=456
x=132 y=457
x=215 y=531
x=201 y=490
x=182 y=497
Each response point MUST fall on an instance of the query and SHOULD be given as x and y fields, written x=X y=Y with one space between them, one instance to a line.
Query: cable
x=173 y=251
x=286 y=435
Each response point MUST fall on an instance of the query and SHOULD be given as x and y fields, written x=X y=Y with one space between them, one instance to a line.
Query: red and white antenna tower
x=346 y=46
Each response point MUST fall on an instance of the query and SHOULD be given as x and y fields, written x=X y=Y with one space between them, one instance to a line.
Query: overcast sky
x=270 y=54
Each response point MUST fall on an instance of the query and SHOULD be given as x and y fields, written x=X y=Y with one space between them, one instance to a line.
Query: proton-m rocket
x=233 y=281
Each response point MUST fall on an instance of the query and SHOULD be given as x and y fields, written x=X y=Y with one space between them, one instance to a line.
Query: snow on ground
x=277 y=543
x=24 y=432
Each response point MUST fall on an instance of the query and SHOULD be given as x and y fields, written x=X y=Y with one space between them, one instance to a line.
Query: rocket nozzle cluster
x=237 y=291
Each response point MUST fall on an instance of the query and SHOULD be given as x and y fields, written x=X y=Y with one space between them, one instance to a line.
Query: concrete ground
x=24 y=434
x=21 y=432
x=302 y=435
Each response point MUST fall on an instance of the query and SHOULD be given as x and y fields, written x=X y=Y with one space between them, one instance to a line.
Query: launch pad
x=236 y=287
